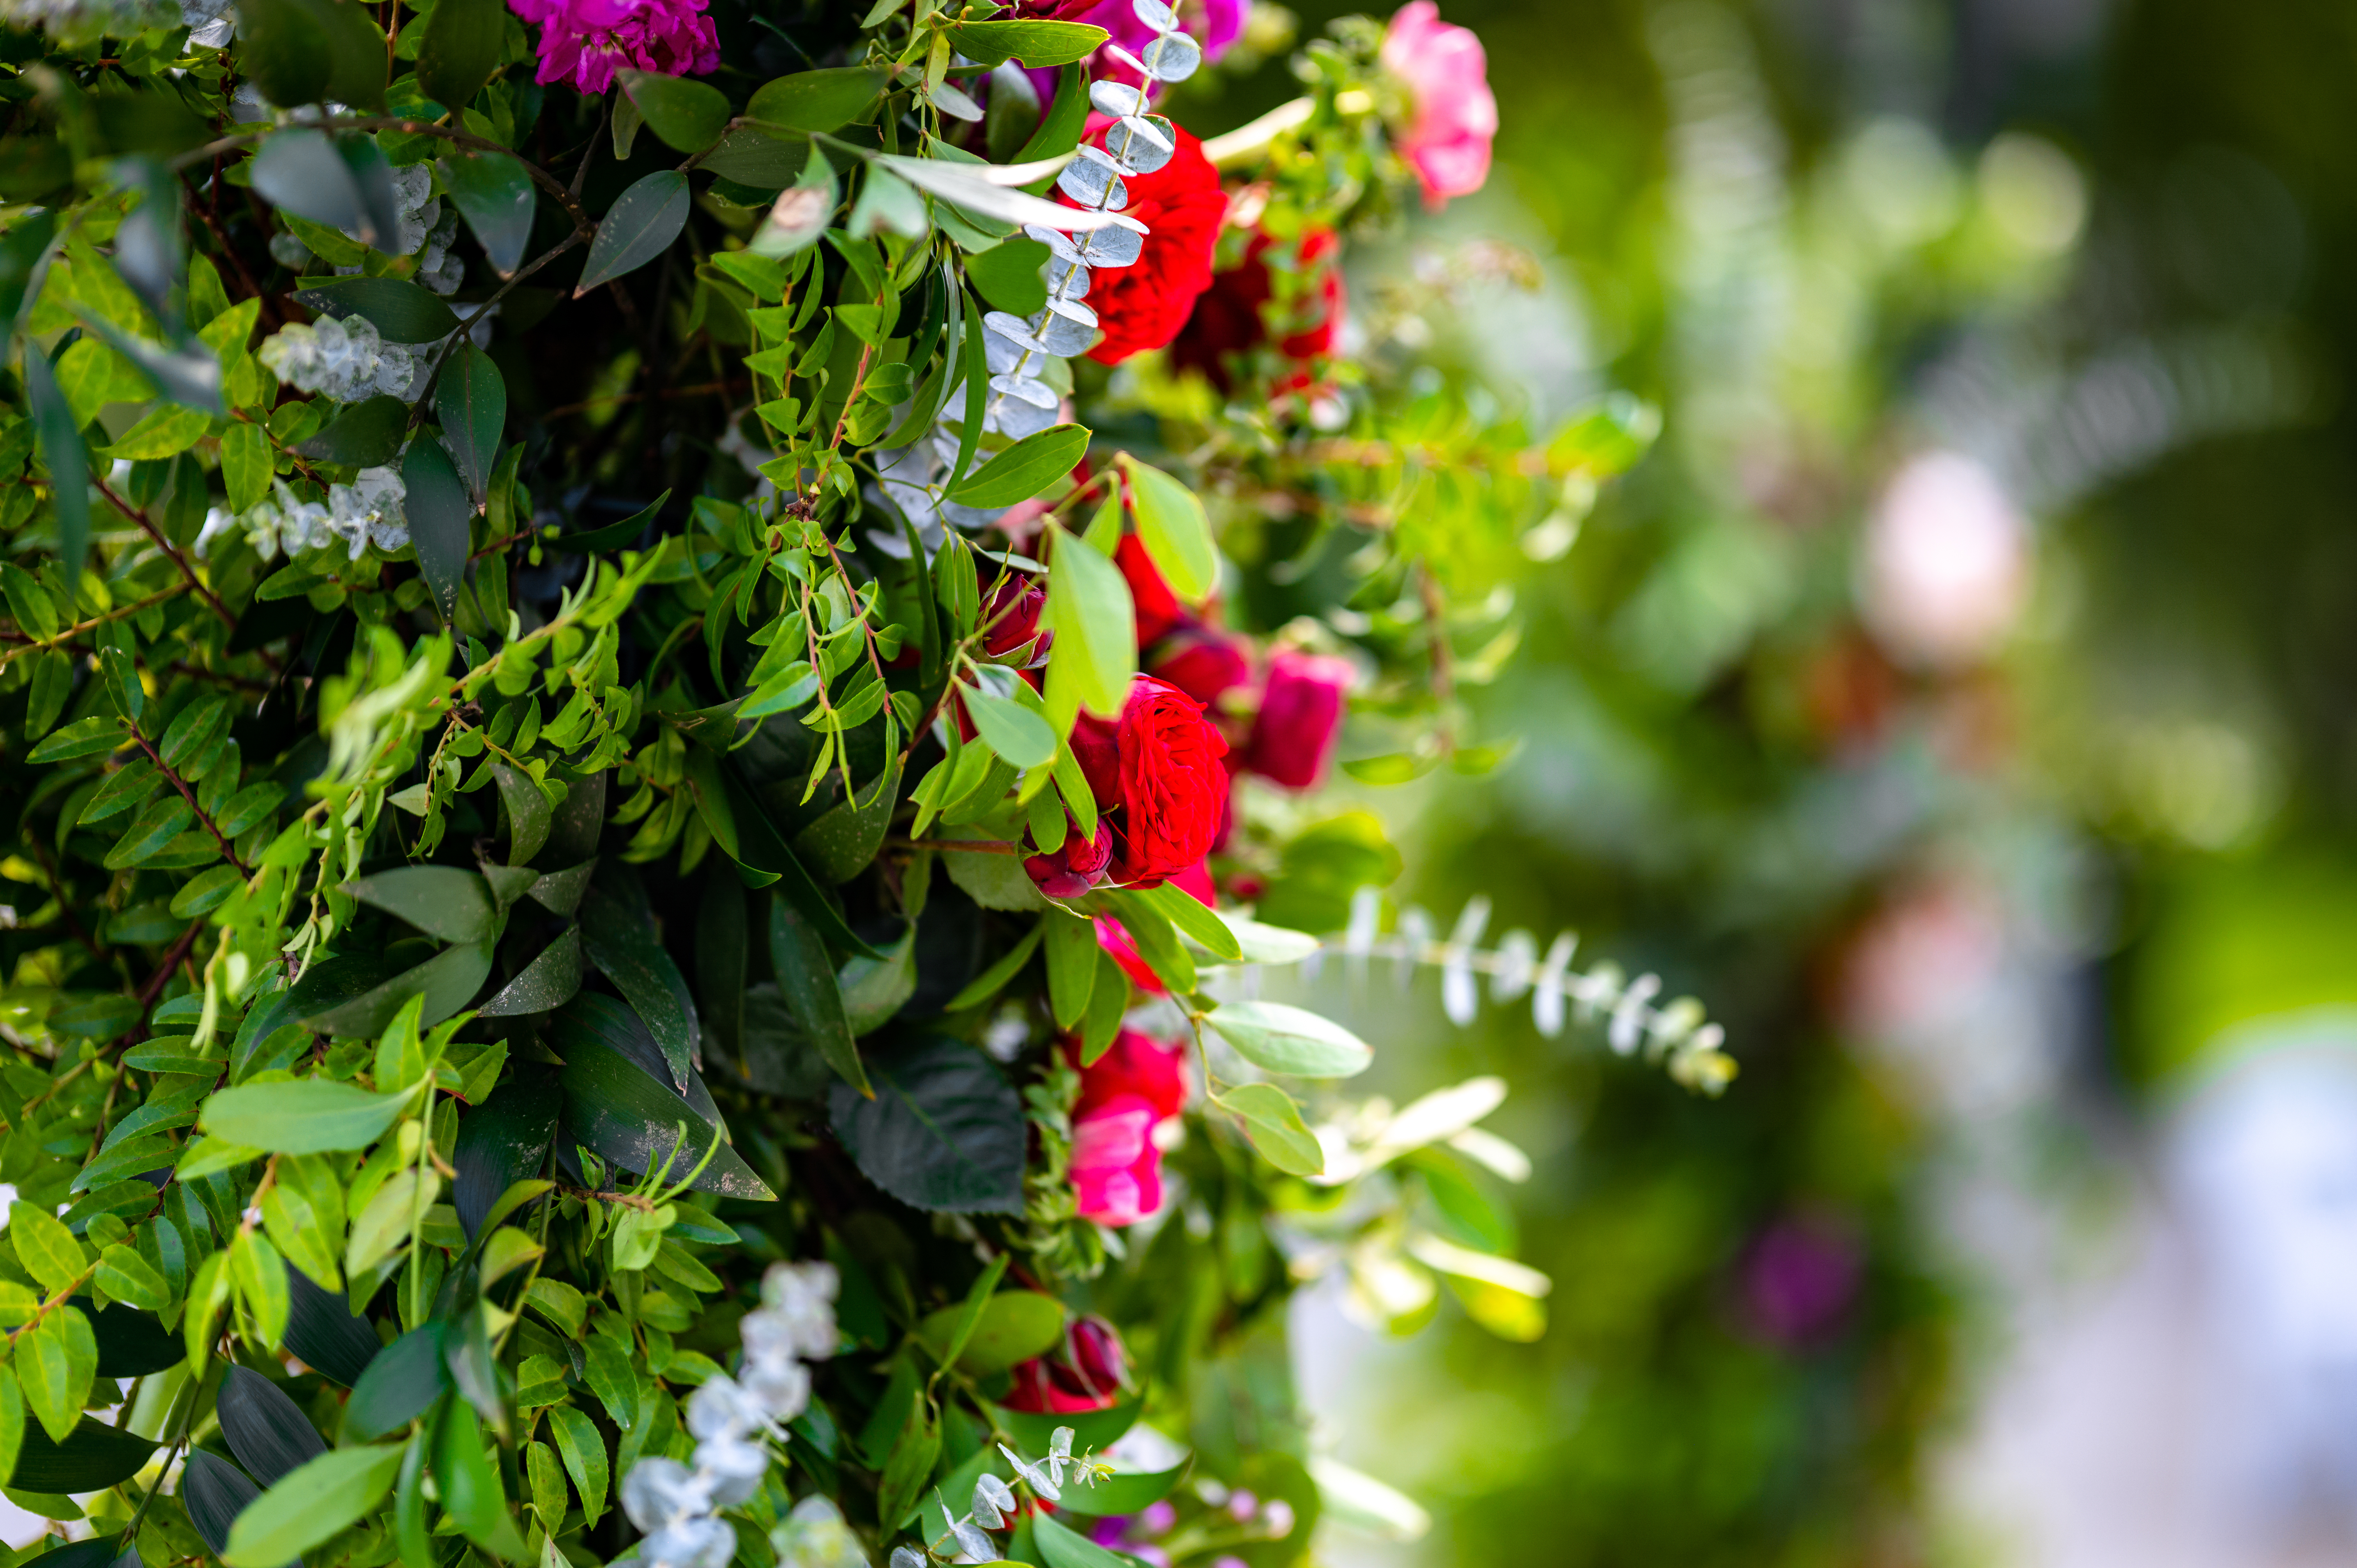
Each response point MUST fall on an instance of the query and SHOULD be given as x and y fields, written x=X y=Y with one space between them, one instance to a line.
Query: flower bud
x=1013 y=617
x=1300 y=715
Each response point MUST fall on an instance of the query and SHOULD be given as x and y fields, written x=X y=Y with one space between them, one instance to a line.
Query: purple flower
x=586 y=41
x=1800 y=1279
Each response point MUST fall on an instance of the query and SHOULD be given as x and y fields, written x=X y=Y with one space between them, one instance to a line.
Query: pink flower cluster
x=1453 y=116
x=586 y=41
x=1126 y=1094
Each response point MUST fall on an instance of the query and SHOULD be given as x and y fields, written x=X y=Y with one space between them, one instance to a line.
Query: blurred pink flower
x=1453 y=114
x=1126 y=1094
x=1800 y=1279
x=1300 y=714
x=586 y=41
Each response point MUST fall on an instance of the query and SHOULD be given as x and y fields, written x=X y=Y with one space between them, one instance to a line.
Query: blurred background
x=1959 y=701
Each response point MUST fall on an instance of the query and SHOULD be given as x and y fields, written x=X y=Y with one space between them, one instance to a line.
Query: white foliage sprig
x=1674 y=1031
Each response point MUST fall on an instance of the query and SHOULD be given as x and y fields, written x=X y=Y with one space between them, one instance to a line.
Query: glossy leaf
x=322 y=1333
x=1026 y=468
x=494 y=195
x=638 y=227
x=618 y=1106
x=440 y=900
x=215 y=1492
x=441 y=521
x=816 y=99
x=503 y=1141
x=688 y=115
x=93 y=1457
x=944 y=1132
x=367 y=434
x=1036 y=44
x=401 y=311
x=471 y=400
x=550 y=981
x=813 y=998
x=615 y=937
x=460 y=50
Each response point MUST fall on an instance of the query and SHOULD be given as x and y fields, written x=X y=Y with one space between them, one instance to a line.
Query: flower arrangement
x=656 y=731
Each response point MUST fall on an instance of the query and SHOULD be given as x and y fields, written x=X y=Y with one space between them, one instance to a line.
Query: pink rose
x=586 y=41
x=1126 y=1094
x=1300 y=713
x=1453 y=115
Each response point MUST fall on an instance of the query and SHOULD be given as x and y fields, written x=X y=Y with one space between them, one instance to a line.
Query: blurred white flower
x=1947 y=568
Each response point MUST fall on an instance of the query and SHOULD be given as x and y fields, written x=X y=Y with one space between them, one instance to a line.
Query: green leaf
x=245 y=465
x=1278 y=1037
x=471 y=401
x=300 y=170
x=164 y=431
x=544 y=984
x=367 y=434
x=494 y=195
x=584 y=1450
x=83 y=737
x=266 y=1430
x=401 y=311
x=215 y=1492
x=46 y=1248
x=910 y=1463
x=616 y=1105
x=638 y=227
x=285 y=51
x=259 y=1275
x=992 y=981
x=946 y=1131
x=441 y=521
x=616 y=937
x=841 y=843
x=1089 y=610
x=12 y=1423
x=324 y=1335
x=1173 y=528
x=1012 y=275
x=1026 y=468
x=59 y=436
x=1063 y=1549
x=767 y=160
x=1035 y=44
x=401 y=1383
x=57 y=1360
x=807 y=979
x=1196 y=922
x=461 y=48
x=440 y=900
x=1008 y=728
x=471 y=1493
x=501 y=1141
x=126 y=1276
x=529 y=813
x=1122 y=1492
x=358 y=993
x=816 y=99
x=1071 y=965
x=314 y=1502
x=91 y=1457
x=306 y=1116
x=1013 y=1326
x=1272 y=1124
x=688 y=115
x=356 y=56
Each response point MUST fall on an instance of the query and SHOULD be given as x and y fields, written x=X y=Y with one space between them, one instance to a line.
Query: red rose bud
x=1174 y=787
x=1158 y=610
x=1013 y=617
x=1093 y=1362
x=1075 y=868
x=1300 y=714
x=1203 y=663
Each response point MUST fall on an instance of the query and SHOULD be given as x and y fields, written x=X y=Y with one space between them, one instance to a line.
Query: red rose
x=1134 y=1064
x=1202 y=663
x=1174 y=791
x=1144 y=304
x=1158 y=610
x=1300 y=714
x=1114 y=936
x=1232 y=316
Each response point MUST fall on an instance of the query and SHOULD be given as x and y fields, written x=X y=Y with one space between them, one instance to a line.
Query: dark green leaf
x=358 y=993
x=1012 y=275
x=616 y=935
x=285 y=49
x=471 y=400
x=401 y=311
x=546 y=983
x=945 y=1132
x=762 y=848
x=441 y=521
x=1064 y=1549
x=83 y=737
x=560 y=892
x=502 y=1140
x=68 y=456
x=616 y=1106
x=300 y=170
x=131 y=1343
x=493 y=194
x=529 y=813
x=721 y=959
x=267 y=1432
x=404 y=1380
x=614 y=535
x=324 y=1335
x=365 y=435
x=215 y=1492
x=471 y=1493
x=357 y=57
x=688 y=115
x=806 y=980
x=459 y=50
x=440 y=900
x=816 y=99
x=1026 y=468
x=1036 y=44
x=638 y=227
x=764 y=160
x=840 y=845
x=93 y=1457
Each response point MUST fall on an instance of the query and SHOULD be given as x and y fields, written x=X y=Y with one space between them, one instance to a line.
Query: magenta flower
x=1453 y=115
x=586 y=41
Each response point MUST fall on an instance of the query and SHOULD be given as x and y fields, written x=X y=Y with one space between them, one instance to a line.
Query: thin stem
x=229 y=852
x=187 y=571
